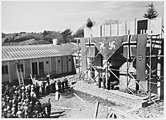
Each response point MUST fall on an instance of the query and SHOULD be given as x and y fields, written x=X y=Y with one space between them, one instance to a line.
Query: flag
x=90 y=48
x=129 y=46
x=107 y=46
x=141 y=56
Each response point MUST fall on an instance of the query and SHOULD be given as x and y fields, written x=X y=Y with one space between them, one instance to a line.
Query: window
x=20 y=67
x=41 y=68
x=5 y=69
x=46 y=62
x=58 y=60
x=69 y=59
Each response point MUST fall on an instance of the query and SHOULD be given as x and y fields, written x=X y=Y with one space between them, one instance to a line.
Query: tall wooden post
x=106 y=74
x=150 y=70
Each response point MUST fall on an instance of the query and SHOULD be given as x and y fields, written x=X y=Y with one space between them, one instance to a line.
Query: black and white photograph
x=82 y=59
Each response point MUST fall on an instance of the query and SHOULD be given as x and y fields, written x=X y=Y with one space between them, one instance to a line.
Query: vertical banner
x=141 y=59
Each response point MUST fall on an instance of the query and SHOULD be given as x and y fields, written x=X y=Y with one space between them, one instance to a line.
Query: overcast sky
x=18 y=16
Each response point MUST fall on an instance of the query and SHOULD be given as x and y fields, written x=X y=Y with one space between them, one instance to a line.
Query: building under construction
x=133 y=63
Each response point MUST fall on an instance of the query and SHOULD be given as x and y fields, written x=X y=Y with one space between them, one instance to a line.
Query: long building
x=37 y=60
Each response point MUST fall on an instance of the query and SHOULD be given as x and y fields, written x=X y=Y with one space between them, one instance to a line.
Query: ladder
x=20 y=77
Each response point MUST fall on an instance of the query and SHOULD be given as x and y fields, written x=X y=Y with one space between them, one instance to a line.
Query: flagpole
x=127 y=71
x=90 y=59
x=150 y=71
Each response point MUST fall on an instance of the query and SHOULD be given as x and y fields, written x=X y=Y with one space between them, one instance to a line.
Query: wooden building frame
x=54 y=60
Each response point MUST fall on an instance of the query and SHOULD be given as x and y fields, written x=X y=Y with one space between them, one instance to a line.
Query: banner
x=141 y=56
x=108 y=45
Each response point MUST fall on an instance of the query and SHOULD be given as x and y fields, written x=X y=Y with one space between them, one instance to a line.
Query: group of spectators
x=23 y=101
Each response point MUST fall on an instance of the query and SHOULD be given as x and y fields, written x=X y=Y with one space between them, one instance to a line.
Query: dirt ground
x=70 y=106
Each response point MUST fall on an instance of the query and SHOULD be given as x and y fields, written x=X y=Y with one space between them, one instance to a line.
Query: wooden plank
x=67 y=108
x=79 y=97
x=96 y=109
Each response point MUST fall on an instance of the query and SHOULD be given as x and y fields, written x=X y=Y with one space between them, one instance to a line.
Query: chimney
x=55 y=42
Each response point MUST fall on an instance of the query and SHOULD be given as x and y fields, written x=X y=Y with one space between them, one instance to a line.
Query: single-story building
x=37 y=60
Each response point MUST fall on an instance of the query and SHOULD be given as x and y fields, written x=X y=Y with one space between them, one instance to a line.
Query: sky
x=37 y=16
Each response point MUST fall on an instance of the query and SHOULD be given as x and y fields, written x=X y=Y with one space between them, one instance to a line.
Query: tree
x=3 y=35
x=79 y=33
x=89 y=23
x=50 y=35
x=150 y=12
x=67 y=35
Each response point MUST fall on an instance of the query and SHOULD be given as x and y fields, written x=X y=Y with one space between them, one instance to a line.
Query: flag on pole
x=129 y=46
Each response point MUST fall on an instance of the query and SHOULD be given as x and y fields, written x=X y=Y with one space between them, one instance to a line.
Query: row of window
x=41 y=67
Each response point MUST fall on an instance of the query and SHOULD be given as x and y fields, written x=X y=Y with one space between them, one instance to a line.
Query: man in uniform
x=48 y=108
x=104 y=82
x=99 y=81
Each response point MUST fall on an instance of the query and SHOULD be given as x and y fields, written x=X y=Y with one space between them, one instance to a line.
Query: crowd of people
x=23 y=101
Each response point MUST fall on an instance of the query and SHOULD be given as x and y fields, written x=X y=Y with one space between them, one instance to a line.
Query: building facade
x=37 y=60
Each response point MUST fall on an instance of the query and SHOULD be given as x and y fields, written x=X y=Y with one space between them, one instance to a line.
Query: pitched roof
x=27 y=42
x=36 y=51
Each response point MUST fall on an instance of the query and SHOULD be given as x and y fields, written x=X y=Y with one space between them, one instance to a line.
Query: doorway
x=34 y=68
